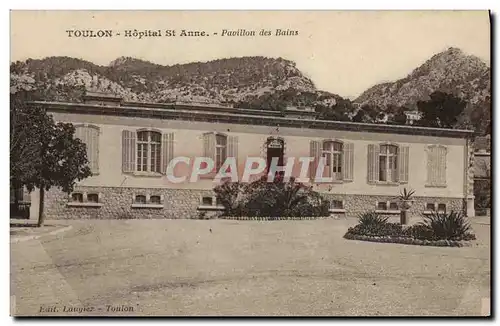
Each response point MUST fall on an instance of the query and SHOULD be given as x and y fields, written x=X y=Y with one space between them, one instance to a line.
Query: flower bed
x=408 y=240
x=269 y=218
x=442 y=230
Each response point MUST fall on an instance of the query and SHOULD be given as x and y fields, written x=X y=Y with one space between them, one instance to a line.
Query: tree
x=367 y=113
x=400 y=118
x=43 y=154
x=23 y=151
x=337 y=112
x=442 y=110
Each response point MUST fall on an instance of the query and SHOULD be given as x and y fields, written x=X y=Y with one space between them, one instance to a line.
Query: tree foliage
x=270 y=199
x=442 y=110
x=43 y=154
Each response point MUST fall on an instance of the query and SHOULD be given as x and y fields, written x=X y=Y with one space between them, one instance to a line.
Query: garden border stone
x=410 y=241
x=270 y=218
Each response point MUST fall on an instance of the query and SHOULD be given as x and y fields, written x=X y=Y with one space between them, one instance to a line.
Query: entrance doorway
x=275 y=148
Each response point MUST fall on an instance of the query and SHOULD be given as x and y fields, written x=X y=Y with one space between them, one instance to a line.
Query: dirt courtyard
x=243 y=268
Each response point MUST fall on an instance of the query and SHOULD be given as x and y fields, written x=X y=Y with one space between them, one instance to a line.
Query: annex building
x=130 y=144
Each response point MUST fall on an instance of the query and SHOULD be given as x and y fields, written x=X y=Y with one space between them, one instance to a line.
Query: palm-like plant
x=372 y=218
x=453 y=225
x=406 y=194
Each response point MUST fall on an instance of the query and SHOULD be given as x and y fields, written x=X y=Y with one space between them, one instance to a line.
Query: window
x=89 y=135
x=441 y=208
x=430 y=207
x=84 y=199
x=388 y=163
x=388 y=159
x=436 y=166
x=93 y=198
x=382 y=205
x=393 y=206
x=220 y=150
x=337 y=204
x=77 y=197
x=148 y=151
x=147 y=201
x=219 y=147
x=155 y=200
x=332 y=152
x=207 y=201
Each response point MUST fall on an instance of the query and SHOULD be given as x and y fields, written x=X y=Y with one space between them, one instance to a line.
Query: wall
x=188 y=142
x=117 y=202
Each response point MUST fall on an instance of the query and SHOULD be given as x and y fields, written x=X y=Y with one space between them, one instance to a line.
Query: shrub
x=231 y=196
x=271 y=199
x=379 y=230
x=482 y=194
x=438 y=226
x=448 y=226
x=419 y=231
x=372 y=218
x=202 y=215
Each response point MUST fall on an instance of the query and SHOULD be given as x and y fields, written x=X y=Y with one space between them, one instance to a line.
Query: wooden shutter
x=373 y=163
x=436 y=165
x=403 y=162
x=232 y=148
x=128 y=151
x=441 y=165
x=167 y=150
x=209 y=145
x=430 y=165
x=348 y=162
x=89 y=135
x=94 y=150
x=314 y=152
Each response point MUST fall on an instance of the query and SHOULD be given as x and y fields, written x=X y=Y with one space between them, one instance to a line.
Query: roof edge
x=355 y=126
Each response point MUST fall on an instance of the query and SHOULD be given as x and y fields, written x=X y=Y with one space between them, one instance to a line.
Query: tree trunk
x=41 y=216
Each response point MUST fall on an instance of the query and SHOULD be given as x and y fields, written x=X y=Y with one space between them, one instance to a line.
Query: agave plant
x=445 y=226
x=406 y=194
x=372 y=218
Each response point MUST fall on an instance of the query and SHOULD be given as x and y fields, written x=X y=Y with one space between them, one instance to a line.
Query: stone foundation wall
x=116 y=203
x=356 y=204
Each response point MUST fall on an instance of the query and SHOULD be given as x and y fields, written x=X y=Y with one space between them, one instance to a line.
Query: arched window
x=332 y=152
x=388 y=163
x=148 y=151
x=140 y=199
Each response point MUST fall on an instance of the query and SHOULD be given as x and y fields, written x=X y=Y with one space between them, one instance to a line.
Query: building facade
x=130 y=146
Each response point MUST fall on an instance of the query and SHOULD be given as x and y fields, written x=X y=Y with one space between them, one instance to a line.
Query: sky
x=344 y=52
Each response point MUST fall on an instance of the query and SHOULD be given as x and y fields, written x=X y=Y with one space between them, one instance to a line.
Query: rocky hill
x=236 y=80
x=260 y=82
x=451 y=71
